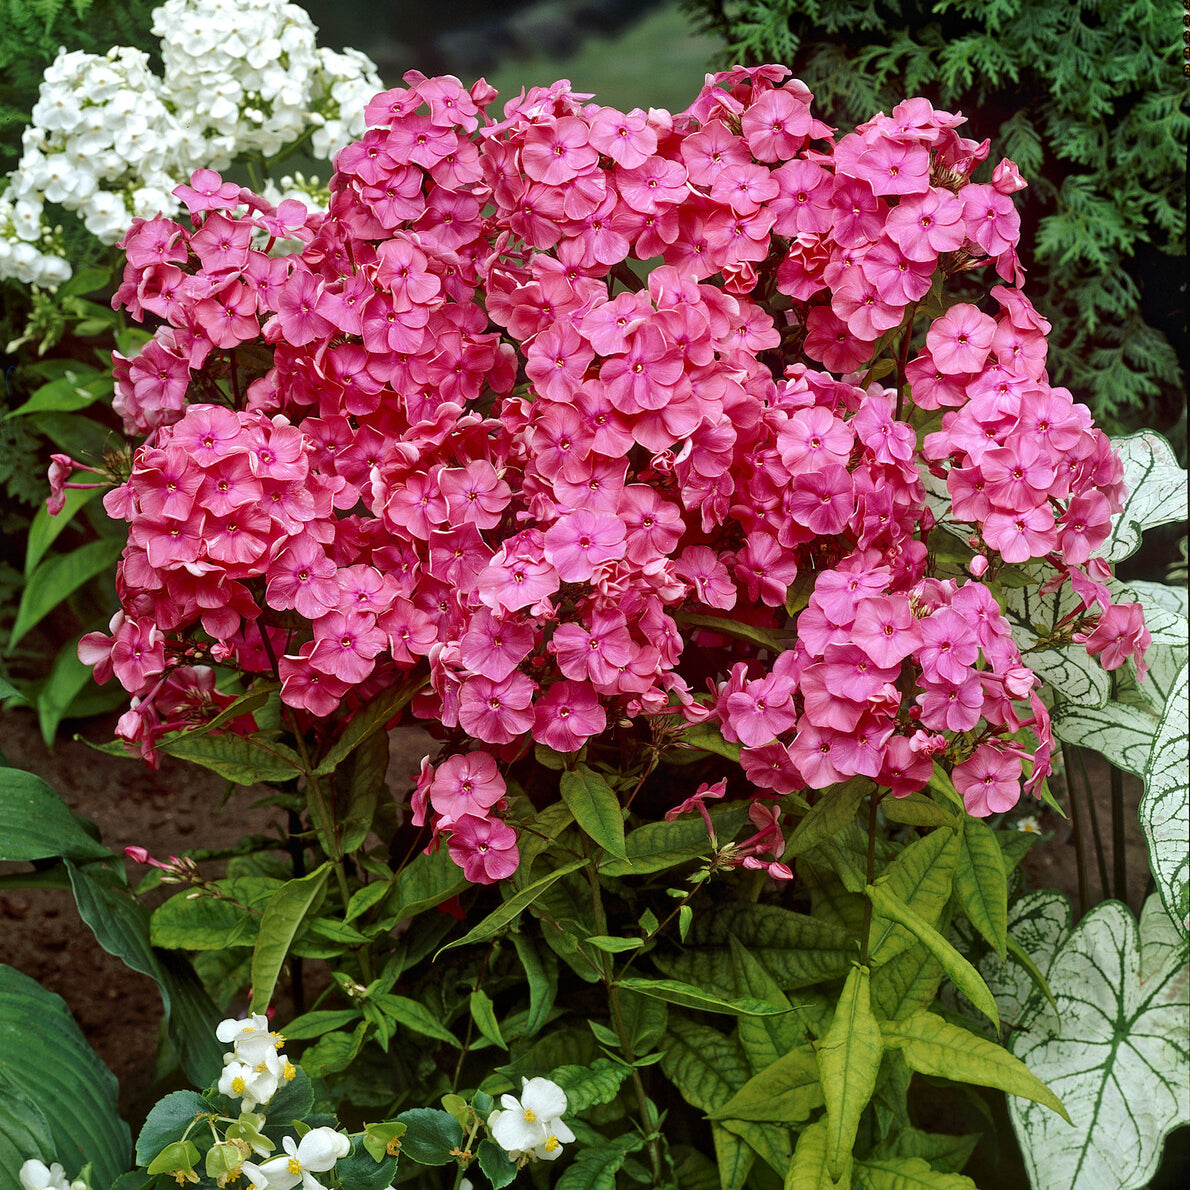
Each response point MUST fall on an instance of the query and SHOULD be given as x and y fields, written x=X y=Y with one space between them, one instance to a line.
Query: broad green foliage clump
x=1087 y=98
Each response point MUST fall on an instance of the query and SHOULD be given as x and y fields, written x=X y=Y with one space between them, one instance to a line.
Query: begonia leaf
x=1116 y=1051
x=848 y=1061
x=432 y=1137
x=494 y=1163
x=167 y=1122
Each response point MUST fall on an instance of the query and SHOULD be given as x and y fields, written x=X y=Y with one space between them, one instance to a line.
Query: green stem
x=873 y=806
x=621 y=1025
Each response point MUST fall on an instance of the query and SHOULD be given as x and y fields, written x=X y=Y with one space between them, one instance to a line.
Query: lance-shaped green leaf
x=706 y=1067
x=512 y=908
x=834 y=809
x=921 y=879
x=796 y=949
x=981 y=884
x=45 y=1058
x=809 y=1169
x=905 y=1173
x=848 y=1062
x=786 y=1092
x=1117 y=1052
x=1156 y=493
x=961 y=973
x=657 y=846
x=541 y=973
x=673 y=991
x=1038 y=923
x=244 y=760
x=1165 y=807
x=284 y=914
x=426 y=881
x=368 y=719
x=934 y=1047
x=764 y=1038
x=706 y=737
x=35 y=823
x=587 y=1086
x=596 y=808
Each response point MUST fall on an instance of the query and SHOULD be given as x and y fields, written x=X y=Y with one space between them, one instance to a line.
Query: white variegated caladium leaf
x=1165 y=806
x=1038 y=923
x=1069 y=669
x=1117 y=1053
x=1156 y=491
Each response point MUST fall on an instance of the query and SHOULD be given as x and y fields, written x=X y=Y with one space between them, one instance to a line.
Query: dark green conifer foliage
x=1088 y=98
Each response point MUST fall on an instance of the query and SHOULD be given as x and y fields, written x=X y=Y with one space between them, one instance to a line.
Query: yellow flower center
x=530 y=1115
x=551 y=1143
x=294 y=1166
x=289 y=1073
x=238 y=1085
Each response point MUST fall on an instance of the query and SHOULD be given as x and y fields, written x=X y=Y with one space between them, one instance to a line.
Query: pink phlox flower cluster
x=462 y=432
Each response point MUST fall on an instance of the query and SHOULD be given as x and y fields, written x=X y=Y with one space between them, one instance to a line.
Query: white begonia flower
x=316 y=1152
x=233 y=1031
x=531 y=1124
x=252 y=1083
x=35 y=1175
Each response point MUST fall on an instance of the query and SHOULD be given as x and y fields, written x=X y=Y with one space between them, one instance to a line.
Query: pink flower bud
x=978 y=566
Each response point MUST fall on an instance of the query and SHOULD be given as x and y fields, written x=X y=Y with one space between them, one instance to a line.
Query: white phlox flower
x=533 y=1123
x=316 y=1152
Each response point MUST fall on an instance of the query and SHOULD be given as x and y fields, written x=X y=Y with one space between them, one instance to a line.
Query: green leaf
x=588 y=1086
x=809 y=1169
x=44 y=530
x=981 y=884
x=920 y=878
x=368 y=719
x=483 y=1013
x=512 y=908
x=243 y=760
x=610 y=945
x=905 y=1173
x=775 y=642
x=541 y=973
x=333 y=1052
x=426 y=881
x=430 y=1135
x=658 y=846
x=595 y=807
x=1037 y=924
x=167 y=1121
x=675 y=992
x=36 y=824
x=935 y=1047
x=494 y=1163
x=68 y=394
x=57 y=694
x=121 y=926
x=706 y=1067
x=1117 y=1051
x=294 y=1099
x=24 y=1135
x=210 y=923
x=945 y=1153
x=315 y=1024
x=834 y=809
x=766 y=1038
x=44 y=1056
x=961 y=973
x=58 y=576
x=706 y=737
x=786 y=1092
x=362 y=1171
x=284 y=914
x=848 y=1061
x=916 y=809
x=595 y=1168
x=797 y=950
x=415 y=1016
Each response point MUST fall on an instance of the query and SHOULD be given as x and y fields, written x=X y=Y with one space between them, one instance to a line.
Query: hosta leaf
x=35 y=823
x=848 y=1062
x=1117 y=1053
x=1165 y=807
x=1156 y=491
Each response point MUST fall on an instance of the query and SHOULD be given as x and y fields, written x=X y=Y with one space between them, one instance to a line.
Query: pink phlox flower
x=989 y=781
x=1018 y=475
x=949 y=648
x=762 y=710
x=1119 y=634
x=813 y=437
x=896 y=167
x=626 y=138
x=990 y=218
x=708 y=577
x=346 y=645
x=495 y=645
x=829 y=341
x=961 y=339
x=222 y=244
x=1086 y=525
x=519 y=575
x=485 y=848
x=567 y=716
x=307 y=688
x=496 y=711
x=557 y=151
x=652 y=185
x=581 y=540
x=765 y=569
x=207 y=191
x=227 y=485
x=410 y=632
x=769 y=767
x=462 y=784
x=886 y=629
x=905 y=769
x=1019 y=536
x=824 y=708
x=821 y=500
x=776 y=125
x=860 y=752
x=812 y=751
x=597 y=653
x=952 y=706
x=924 y=226
x=593 y=483
x=645 y=375
x=475 y=494
x=697 y=801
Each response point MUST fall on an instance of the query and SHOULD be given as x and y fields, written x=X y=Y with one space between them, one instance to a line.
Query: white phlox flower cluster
x=316 y=1152
x=532 y=1125
x=255 y=1067
x=109 y=140
x=36 y=1175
